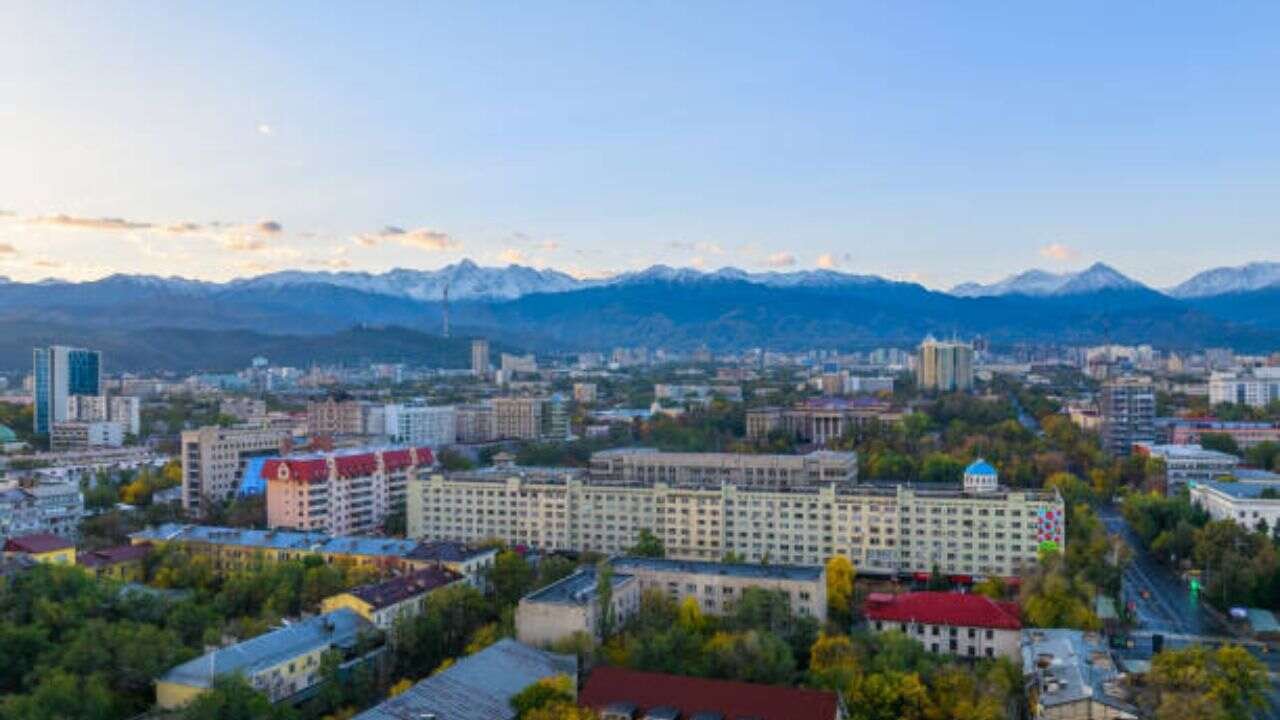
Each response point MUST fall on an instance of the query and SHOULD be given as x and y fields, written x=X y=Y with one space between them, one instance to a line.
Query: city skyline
x=942 y=147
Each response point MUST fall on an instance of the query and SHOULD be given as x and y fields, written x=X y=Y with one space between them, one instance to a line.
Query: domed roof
x=980 y=467
x=7 y=435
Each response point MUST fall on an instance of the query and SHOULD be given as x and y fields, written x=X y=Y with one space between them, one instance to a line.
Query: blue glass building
x=61 y=372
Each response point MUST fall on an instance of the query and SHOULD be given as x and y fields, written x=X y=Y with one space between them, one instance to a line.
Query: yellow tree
x=833 y=661
x=840 y=574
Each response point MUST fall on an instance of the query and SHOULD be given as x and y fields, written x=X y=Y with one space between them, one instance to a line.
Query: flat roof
x=1072 y=666
x=576 y=589
x=805 y=573
x=1188 y=452
x=398 y=589
x=315 y=542
x=1242 y=490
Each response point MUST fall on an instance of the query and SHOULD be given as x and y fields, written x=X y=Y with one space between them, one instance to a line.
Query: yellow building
x=126 y=563
x=385 y=602
x=42 y=547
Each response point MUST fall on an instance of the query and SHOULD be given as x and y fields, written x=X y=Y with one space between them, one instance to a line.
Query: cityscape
x=646 y=433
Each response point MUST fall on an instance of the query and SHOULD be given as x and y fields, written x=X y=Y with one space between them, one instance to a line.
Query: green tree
x=647 y=545
x=232 y=698
x=553 y=690
x=1221 y=442
x=511 y=577
x=604 y=598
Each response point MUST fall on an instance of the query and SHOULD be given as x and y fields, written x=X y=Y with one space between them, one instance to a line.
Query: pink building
x=345 y=492
x=1246 y=434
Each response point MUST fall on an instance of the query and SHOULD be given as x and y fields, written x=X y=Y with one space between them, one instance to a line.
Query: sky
x=936 y=142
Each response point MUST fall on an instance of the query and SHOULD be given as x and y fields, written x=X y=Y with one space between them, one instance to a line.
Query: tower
x=446 y=309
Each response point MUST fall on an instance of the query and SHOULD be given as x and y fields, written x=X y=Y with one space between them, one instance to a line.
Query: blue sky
x=941 y=142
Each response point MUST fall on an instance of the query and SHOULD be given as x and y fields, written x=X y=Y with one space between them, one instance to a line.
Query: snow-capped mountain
x=1219 y=281
x=798 y=278
x=465 y=280
x=1041 y=283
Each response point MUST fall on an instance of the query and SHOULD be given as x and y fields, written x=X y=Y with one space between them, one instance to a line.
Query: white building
x=717 y=586
x=435 y=426
x=961 y=624
x=126 y=410
x=1249 y=501
x=75 y=436
x=1188 y=464
x=1256 y=387
x=54 y=508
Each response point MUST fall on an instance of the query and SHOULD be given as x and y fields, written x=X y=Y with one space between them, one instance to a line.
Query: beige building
x=717 y=586
x=819 y=420
x=517 y=418
x=335 y=417
x=584 y=393
x=883 y=529
x=480 y=357
x=214 y=458
x=647 y=464
x=572 y=605
x=475 y=423
x=944 y=365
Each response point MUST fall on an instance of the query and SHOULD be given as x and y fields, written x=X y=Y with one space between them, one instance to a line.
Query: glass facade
x=61 y=372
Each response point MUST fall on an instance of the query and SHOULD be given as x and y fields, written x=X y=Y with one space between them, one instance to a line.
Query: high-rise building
x=60 y=372
x=517 y=418
x=944 y=365
x=214 y=460
x=1256 y=387
x=335 y=416
x=480 y=357
x=1128 y=411
x=432 y=426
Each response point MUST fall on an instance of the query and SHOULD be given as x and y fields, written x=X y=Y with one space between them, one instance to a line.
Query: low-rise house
x=960 y=624
x=42 y=547
x=1070 y=675
x=572 y=605
x=621 y=694
x=1250 y=502
x=717 y=586
x=283 y=663
x=125 y=562
x=477 y=687
x=383 y=603
x=1186 y=465
x=469 y=561
x=47 y=507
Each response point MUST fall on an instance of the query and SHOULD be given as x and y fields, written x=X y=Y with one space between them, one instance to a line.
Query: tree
x=833 y=661
x=840 y=575
x=61 y=696
x=1226 y=683
x=604 y=598
x=648 y=545
x=232 y=698
x=751 y=656
x=1222 y=442
x=555 y=690
x=511 y=577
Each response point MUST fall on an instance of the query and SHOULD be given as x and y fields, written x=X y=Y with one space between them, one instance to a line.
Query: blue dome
x=980 y=467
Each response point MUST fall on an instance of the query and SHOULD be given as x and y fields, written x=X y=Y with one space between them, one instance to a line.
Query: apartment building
x=71 y=436
x=517 y=418
x=48 y=508
x=648 y=465
x=965 y=625
x=1186 y=465
x=1071 y=675
x=399 y=598
x=244 y=409
x=102 y=408
x=1256 y=387
x=335 y=416
x=585 y=393
x=717 y=586
x=480 y=357
x=944 y=366
x=889 y=530
x=475 y=423
x=433 y=426
x=1128 y=410
x=572 y=605
x=345 y=492
x=1180 y=431
x=620 y=694
x=214 y=460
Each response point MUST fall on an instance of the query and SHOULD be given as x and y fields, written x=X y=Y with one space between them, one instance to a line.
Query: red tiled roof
x=399 y=589
x=394 y=460
x=352 y=466
x=113 y=555
x=944 y=608
x=425 y=456
x=301 y=470
x=608 y=685
x=38 y=543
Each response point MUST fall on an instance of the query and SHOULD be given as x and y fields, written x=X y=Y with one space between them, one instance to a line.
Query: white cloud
x=1058 y=252
x=265 y=129
x=513 y=256
x=780 y=260
x=827 y=261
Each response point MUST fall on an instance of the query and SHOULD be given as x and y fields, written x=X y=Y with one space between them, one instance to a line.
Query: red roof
x=944 y=608
x=425 y=456
x=394 y=460
x=608 y=685
x=352 y=466
x=38 y=543
x=113 y=555
x=301 y=470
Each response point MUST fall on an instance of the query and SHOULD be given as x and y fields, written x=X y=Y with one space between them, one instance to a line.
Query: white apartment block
x=434 y=426
x=55 y=508
x=80 y=436
x=883 y=530
x=214 y=459
x=571 y=606
x=964 y=625
x=1256 y=387
x=123 y=409
x=717 y=586
x=649 y=465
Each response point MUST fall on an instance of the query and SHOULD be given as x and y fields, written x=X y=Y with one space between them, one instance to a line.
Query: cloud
x=47 y=263
x=7 y=249
x=102 y=223
x=265 y=129
x=269 y=227
x=1058 y=252
x=698 y=262
x=549 y=246
x=183 y=228
x=7 y=214
x=827 y=261
x=780 y=260
x=244 y=244
x=513 y=256
x=421 y=238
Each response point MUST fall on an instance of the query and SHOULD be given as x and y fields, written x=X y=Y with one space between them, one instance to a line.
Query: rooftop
x=478 y=687
x=808 y=573
x=38 y=543
x=398 y=589
x=7 y=435
x=944 y=608
x=690 y=696
x=338 y=628
x=113 y=555
x=1187 y=452
x=447 y=551
x=980 y=467
x=278 y=539
x=1073 y=666
x=577 y=589
x=1242 y=490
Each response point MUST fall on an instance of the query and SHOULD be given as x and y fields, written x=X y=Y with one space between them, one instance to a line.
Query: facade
x=1070 y=675
x=1246 y=434
x=472 y=562
x=214 y=460
x=584 y=393
x=480 y=357
x=73 y=436
x=647 y=464
x=621 y=694
x=43 y=548
x=60 y=372
x=244 y=409
x=433 y=426
x=819 y=420
x=47 y=508
x=402 y=597
x=571 y=606
x=333 y=416
x=283 y=663
x=124 y=563
x=1127 y=407
x=960 y=624
x=1189 y=464
x=946 y=366
x=1256 y=387
x=888 y=530
x=346 y=492
x=1248 y=503
x=477 y=687
x=475 y=423
x=517 y=418
x=717 y=586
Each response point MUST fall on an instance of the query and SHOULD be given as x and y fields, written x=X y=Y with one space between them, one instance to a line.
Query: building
x=572 y=605
x=214 y=460
x=480 y=358
x=60 y=372
x=1127 y=407
x=512 y=364
x=125 y=563
x=55 y=508
x=477 y=687
x=981 y=477
x=717 y=586
x=1246 y=434
x=283 y=663
x=1256 y=387
x=517 y=418
x=648 y=464
x=584 y=393
x=698 y=394
x=9 y=441
x=43 y=548
x=1249 y=502
x=344 y=492
x=244 y=409
x=1070 y=675
x=475 y=423
x=335 y=416
x=960 y=624
x=1187 y=464
x=403 y=597
x=74 y=436
x=898 y=529
x=946 y=366
x=621 y=694
x=472 y=562
x=126 y=410
x=433 y=426
x=819 y=420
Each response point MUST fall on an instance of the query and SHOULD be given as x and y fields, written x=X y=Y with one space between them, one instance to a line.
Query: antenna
x=446 y=309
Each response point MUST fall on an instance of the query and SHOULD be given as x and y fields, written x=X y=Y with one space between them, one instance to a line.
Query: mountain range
x=140 y=319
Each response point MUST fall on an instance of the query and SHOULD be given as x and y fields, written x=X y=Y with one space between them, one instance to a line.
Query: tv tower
x=446 y=309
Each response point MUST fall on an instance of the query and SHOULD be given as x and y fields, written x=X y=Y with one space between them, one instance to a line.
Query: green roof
x=7 y=435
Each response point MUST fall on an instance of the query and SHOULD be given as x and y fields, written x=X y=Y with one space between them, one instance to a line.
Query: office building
x=60 y=372
x=1188 y=464
x=480 y=357
x=395 y=599
x=512 y=364
x=425 y=425
x=891 y=530
x=946 y=366
x=477 y=687
x=1070 y=675
x=1128 y=410
x=1251 y=501
x=214 y=461
x=966 y=625
x=572 y=606
x=335 y=416
x=717 y=586
x=247 y=410
x=69 y=436
x=1255 y=387
x=620 y=694
x=284 y=663
x=650 y=465
x=819 y=420
x=475 y=423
